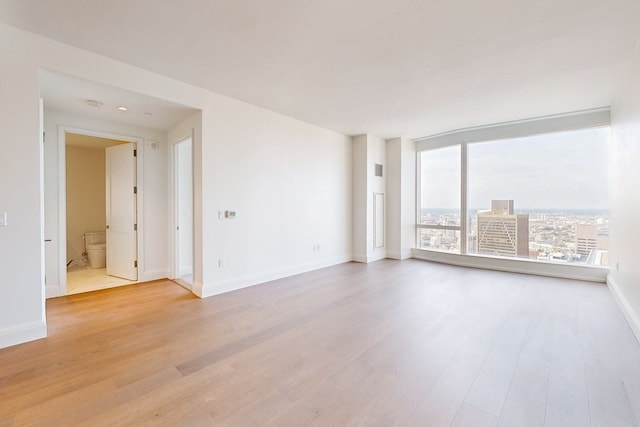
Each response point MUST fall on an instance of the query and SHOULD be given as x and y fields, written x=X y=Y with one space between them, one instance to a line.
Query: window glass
x=542 y=197
x=440 y=186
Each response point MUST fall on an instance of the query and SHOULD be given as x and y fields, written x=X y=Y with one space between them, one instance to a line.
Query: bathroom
x=86 y=214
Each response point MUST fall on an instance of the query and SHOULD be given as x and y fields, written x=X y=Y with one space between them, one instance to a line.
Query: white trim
x=632 y=317
x=51 y=291
x=43 y=266
x=148 y=276
x=211 y=289
x=359 y=258
x=464 y=220
x=520 y=128
x=524 y=266
x=174 y=273
x=23 y=333
x=369 y=258
x=198 y=289
x=400 y=255
x=61 y=289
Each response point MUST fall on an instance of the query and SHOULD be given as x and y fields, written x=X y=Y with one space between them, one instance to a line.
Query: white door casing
x=184 y=196
x=121 y=206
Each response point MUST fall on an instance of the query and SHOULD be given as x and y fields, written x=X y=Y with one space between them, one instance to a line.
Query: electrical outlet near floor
x=222 y=263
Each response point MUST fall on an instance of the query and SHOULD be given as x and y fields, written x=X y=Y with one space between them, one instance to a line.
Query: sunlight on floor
x=87 y=279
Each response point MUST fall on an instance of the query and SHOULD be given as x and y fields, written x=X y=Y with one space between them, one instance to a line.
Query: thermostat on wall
x=229 y=214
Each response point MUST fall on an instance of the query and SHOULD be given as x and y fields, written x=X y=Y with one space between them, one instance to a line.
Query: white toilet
x=96 y=247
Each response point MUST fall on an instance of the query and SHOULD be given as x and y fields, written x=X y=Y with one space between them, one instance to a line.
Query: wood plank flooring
x=388 y=343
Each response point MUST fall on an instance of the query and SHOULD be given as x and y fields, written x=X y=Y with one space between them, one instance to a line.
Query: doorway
x=183 y=212
x=98 y=207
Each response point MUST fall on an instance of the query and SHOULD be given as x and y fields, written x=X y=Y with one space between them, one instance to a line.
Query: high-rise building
x=590 y=237
x=586 y=238
x=501 y=232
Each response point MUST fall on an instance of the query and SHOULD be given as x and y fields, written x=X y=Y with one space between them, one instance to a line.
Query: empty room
x=336 y=213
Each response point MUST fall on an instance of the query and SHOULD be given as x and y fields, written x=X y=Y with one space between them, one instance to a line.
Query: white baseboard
x=210 y=289
x=359 y=258
x=51 y=291
x=148 y=276
x=525 y=266
x=369 y=258
x=633 y=317
x=198 y=289
x=22 y=333
x=400 y=255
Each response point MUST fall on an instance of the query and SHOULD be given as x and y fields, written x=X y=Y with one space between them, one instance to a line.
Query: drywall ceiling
x=390 y=68
x=66 y=93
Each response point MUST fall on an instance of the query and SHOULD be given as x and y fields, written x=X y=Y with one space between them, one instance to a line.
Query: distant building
x=592 y=242
x=501 y=232
x=586 y=238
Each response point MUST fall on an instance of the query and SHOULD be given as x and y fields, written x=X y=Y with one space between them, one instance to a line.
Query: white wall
x=368 y=151
x=377 y=154
x=21 y=273
x=290 y=186
x=288 y=181
x=152 y=188
x=625 y=197
x=401 y=197
x=360 y=197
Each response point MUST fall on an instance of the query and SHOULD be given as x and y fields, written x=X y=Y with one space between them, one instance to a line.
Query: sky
x=565 y=170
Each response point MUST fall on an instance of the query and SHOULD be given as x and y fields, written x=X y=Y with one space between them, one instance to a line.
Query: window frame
x=574 y=121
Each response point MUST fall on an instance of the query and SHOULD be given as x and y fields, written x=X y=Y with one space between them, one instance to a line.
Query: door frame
x=175 y=256
x=62 y=199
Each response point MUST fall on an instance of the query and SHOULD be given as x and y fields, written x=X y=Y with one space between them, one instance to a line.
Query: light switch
x=3 y=219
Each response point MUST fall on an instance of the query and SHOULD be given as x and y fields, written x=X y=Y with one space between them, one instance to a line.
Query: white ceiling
x=386 y=67
x=70 y=94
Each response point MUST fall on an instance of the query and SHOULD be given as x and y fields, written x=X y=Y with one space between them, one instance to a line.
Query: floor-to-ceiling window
x=530 y=190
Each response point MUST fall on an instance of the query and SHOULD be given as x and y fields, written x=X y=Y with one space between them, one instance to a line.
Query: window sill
x=514 y=265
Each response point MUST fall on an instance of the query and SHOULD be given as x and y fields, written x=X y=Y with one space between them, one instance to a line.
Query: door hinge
x=135 y=264
x=135 y=153
x=135 y=190
x=135 y=227
x=44 y=136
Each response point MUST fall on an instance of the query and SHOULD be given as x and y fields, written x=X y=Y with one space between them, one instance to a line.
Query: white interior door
x=122 y=247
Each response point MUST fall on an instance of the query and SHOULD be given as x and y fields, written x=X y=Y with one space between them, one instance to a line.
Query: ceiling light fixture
x=93 y=103
x=121 y=108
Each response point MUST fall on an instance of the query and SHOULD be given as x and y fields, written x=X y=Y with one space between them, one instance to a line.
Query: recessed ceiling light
x=121 y=108
x=148 y=114
x=93 y=103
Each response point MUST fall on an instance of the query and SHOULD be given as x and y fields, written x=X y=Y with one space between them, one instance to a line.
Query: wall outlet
x=3 y=219
x=222 y=263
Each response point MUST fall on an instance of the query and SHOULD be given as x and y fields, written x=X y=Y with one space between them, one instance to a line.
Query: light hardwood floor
x=389 y=343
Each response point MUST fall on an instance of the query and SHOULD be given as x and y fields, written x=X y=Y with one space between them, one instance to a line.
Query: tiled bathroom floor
x=85 y=279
